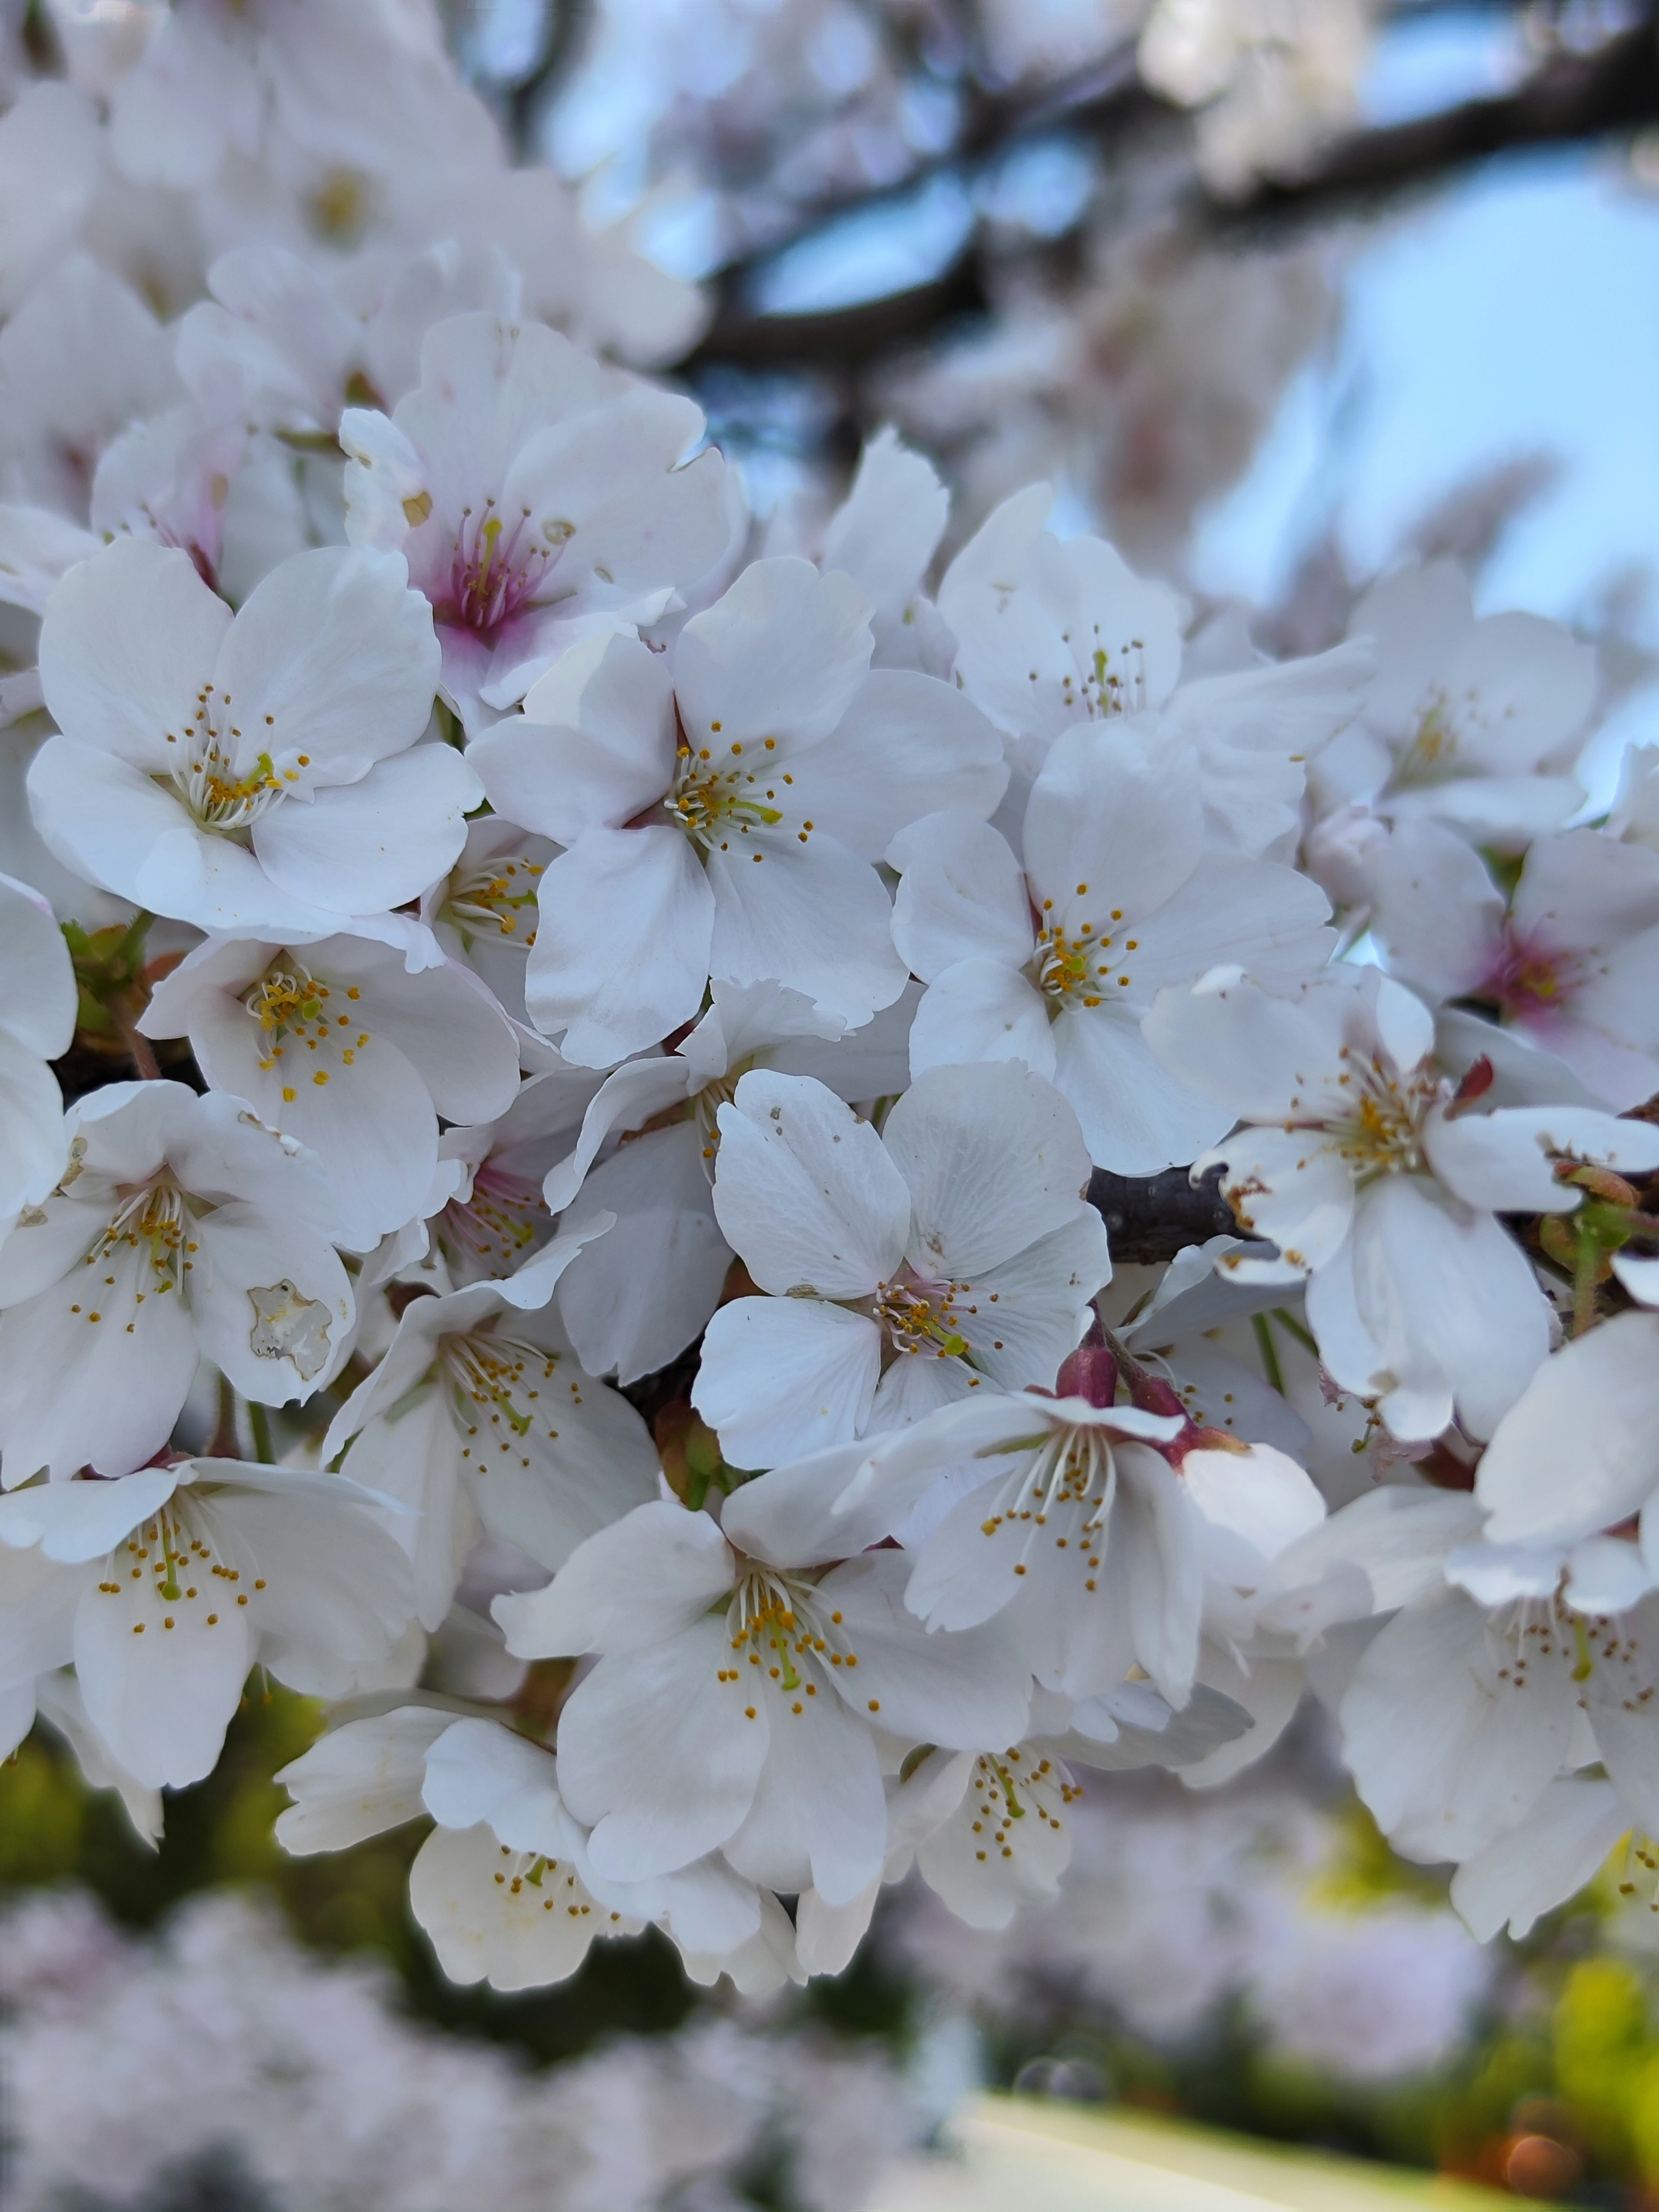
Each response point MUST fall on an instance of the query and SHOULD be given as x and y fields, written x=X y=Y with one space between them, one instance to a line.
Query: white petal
x=813 y=916
x=1580 y=1450
x=781 y=655
x=782 y=1377
x=659 y=1754
x=1530 y=1870
x=132 y=636
x=358 y=1780
x=961 y=897
x=161 y=1698
x=333 y=655
x=819 y=1817
x=806 y=1192
x=981 y=1010
x=648 y=1578
x=1446 y=1754
x=908 y=745
x=364 y=847
x=1137 y=1117
x=993 y=1159
x=622 y=946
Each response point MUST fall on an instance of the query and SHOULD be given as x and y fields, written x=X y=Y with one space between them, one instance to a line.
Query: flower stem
x=258 y=1420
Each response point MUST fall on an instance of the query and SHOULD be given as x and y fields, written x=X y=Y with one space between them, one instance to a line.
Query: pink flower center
x=496 y=570
x=1528 y=979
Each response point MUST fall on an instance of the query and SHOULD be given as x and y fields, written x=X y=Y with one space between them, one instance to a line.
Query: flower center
x=225 y=788
x=922 y=1316
x=1432 y=756
x=714 y=804
x=309 y=1024
x=500 y=1396
x=785 y=1641
x=537 y=1879
x=1383 y=1133
x=1071 y=968
x=1067 y=1483
x=498 y=900
x=499 y=1224
x=1528 y=979
x=166 y=1572
x=1014 y=1788
x=496 y=569
x=1106 y=682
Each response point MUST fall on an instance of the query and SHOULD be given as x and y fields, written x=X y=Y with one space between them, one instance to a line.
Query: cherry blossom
x=209 y=770
x=167 y=1585
x=535 y=497
x=1377 y=1183
x=903 y=1271
x=723 y=807
x=182 y=1228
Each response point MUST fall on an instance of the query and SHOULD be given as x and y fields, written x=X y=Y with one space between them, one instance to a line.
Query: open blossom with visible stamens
x=724 y=805
x=183 y=1229
x=478 y=1412
x=503 y=1886
x=1369 y=1170
x=167 y=1585
x=1566 y=962
x=1057 y=965
x=355 y=1044
x=739 y=1684
x=904 y=1270
x=635 y=1298
x=1475 y=724
x=1051 y=633
x=534 y=494
x=250 y=774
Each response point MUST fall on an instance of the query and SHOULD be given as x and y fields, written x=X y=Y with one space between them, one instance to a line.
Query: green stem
x=226 y=1443
x=1269 y=1351
x=1292 y=1327
x=258 y=1420
x=1583 y=1285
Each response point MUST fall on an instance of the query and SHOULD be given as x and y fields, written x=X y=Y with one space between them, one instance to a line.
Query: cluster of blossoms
x=608 y=961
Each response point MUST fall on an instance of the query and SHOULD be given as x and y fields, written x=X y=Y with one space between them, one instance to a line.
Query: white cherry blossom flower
x=735 y=1701
x=633 y=1300
x=478 y=1412
x=1058 y=965
x=534 y=494
x=1475 y=724
x=298 y=346
x=253 y=773
x=1472 y=1699
x=82 y=359
x=355 y=1044
x=483 y=911
x=1051 y=633
x=1565 y=963
x=902 y=1270
x=724 y=805
x=167 y=1586
x=37 y=1024
x=1364 y=1166
x=1007 y=1839
x=183 y=1229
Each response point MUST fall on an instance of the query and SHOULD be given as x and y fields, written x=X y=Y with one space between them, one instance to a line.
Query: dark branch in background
x=1571 y=98
x=1149 y=1218
x=525 y=100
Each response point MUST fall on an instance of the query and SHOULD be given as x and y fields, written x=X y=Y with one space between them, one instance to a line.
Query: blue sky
x=1516 y=313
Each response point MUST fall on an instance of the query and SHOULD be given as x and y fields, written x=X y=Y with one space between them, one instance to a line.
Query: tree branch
x=1570 y=99
x=1149 y=1218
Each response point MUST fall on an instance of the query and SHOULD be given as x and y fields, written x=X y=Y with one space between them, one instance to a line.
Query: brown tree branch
x=1571 y=98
